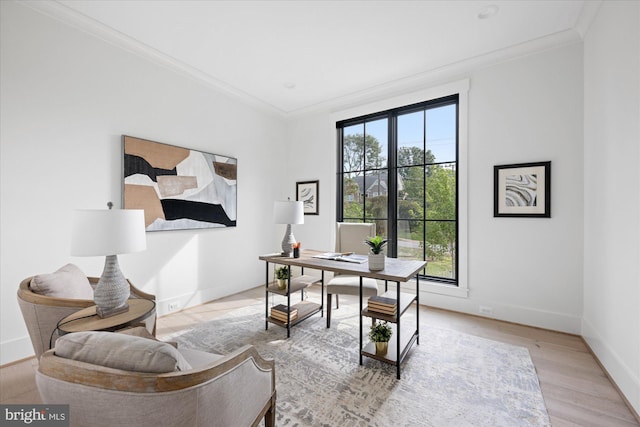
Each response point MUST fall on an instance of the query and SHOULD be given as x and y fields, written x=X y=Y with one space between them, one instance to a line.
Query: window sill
x=427 y=286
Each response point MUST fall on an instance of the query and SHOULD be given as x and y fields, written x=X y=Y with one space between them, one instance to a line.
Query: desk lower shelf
x=405 y=302
x=297 y=283
x=407 y=339
x=305 y=309
x=396 y=350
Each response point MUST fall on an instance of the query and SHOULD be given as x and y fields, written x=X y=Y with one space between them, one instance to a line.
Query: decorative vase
x=381 y=348
x=282 y=283
x=376 y=261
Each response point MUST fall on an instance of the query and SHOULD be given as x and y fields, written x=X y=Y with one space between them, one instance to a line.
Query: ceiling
x=294 y=56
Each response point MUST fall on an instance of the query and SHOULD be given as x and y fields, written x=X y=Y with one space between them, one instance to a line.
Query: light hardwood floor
x=576 y=390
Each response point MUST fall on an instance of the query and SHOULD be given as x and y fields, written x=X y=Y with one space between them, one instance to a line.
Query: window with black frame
x=399 y=169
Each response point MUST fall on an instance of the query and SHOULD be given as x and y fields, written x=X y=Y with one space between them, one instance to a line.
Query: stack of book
x=383 y=305
x=279 y=312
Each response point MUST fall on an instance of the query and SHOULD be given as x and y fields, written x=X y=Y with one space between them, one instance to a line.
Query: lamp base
x=112 y=291
x=108 y=312
x=287 y=242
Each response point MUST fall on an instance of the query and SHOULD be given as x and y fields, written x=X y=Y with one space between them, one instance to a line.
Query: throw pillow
x=121 y=351
x=67 y=282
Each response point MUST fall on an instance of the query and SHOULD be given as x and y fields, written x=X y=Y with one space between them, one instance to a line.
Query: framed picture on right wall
x=522 y=190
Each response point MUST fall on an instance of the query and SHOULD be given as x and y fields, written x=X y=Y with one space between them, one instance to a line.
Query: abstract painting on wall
x=522 y=190
x=178 y=188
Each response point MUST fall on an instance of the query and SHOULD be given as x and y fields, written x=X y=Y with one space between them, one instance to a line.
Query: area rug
x=450 y=379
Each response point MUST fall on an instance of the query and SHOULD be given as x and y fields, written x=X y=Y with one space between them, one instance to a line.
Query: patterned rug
x=450 y=379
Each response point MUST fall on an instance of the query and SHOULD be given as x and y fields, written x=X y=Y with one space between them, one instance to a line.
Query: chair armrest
x=26 y=294
x=140 y=382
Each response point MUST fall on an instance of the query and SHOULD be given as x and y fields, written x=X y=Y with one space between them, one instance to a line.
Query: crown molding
x=398 y=87
x=587 y=15
x=440 y=75
x=107 y=34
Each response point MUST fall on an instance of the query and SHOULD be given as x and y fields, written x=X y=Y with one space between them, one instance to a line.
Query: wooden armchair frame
x=42 y=313
x=233 y=379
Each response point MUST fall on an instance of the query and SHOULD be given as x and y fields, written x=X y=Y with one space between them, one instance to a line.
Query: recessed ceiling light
x=289 y=85
x=488 y=11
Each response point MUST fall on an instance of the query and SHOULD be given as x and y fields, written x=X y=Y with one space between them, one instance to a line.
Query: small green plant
x=380 y=332
x=282 y=272
x=376 y=244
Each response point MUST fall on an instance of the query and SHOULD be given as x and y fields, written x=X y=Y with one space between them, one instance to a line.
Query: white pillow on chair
x=66 y=282
x=121 y=351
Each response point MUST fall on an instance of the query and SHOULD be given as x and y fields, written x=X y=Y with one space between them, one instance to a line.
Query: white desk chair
x=350 y=237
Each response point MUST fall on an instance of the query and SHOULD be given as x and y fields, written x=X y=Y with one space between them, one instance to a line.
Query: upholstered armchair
x=350 y=237
x=44 y=304
x=116 y=379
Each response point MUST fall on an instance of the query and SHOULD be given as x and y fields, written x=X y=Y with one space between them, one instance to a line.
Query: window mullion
x=340 y=176
x=424 y=186
x=392 y=178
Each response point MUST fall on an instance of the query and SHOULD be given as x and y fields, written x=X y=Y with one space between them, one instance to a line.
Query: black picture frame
x=522 y=190
x=308 y=192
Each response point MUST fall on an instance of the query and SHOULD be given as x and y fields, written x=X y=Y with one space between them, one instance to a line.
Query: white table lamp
x=288 y=212
x=109 y=233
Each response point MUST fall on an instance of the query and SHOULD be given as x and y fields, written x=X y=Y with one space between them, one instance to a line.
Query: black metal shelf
x=405 y=302
x=402 y=340
x=406 y=341
x=305 y=309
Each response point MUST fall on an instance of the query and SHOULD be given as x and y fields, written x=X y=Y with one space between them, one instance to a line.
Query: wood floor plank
x=611 y=407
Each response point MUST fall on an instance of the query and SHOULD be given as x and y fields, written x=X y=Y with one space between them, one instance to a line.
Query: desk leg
x=266 y=297
x=360 y=316
x=289 y=302
x=399 y=350
x=418 y=309
x=322 y=293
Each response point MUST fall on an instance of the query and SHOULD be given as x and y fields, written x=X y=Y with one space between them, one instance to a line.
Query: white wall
x=524 y=110
x=611 y=323
x=67 y=98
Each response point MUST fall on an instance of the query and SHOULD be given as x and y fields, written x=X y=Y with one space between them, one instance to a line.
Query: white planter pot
x=376 y=262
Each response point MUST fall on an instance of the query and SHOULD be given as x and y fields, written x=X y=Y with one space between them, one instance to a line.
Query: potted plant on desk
x=380 y=334
x=376 y=257
x=282 y=274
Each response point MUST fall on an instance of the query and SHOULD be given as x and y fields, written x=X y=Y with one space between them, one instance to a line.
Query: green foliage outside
x=362 y=151
x=439 y=182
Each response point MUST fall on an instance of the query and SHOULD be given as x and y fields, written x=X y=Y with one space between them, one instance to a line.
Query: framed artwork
x=178 y=188
x=307 y=193
x=522 y=190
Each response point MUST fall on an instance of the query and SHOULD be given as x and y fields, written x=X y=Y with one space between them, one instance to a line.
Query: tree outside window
x=423 y=188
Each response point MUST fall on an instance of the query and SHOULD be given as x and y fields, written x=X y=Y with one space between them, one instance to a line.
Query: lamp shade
x=288 y=212
x=108 y=232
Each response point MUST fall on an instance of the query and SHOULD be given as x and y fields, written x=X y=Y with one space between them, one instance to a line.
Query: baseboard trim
x=15 y=351
x=617 y=371
x=615 y=385
x=543 y=319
